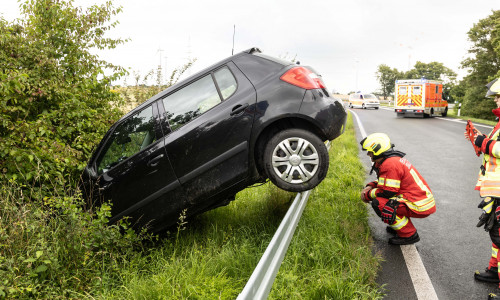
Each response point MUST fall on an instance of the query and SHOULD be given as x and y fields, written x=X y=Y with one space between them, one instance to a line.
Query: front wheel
x=295 y=160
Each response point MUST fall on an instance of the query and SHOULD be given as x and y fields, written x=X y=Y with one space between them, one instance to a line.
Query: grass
x=330 y=256
x=51 y=249
x=454 y=114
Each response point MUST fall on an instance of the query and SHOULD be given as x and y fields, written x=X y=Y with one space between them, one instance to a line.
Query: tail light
x=304 y=78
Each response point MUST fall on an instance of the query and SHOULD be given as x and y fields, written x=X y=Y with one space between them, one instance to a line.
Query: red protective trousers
x=494 y=259
x=403 y=225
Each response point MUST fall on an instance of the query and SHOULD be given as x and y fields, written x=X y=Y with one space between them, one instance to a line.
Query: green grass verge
x=51 y=249
x=453 y=114
x=212 y=257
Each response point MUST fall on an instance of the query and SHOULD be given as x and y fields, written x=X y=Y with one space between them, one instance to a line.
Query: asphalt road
x=451 y=246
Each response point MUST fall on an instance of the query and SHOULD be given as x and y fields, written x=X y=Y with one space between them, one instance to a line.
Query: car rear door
x=211 y=118
x=136 y=173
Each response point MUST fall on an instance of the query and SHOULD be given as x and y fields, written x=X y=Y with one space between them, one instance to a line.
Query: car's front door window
x=191 y=101
x=130 y=137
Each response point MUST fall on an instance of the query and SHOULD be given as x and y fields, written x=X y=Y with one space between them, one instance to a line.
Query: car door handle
x=105 y=187
x=238 y=108
x=155 y=161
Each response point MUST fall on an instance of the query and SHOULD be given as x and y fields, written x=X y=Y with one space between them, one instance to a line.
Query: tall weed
x=51 y=248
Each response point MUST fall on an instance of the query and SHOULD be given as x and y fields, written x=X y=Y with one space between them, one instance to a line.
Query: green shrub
x=55 y=100
x=50 y=248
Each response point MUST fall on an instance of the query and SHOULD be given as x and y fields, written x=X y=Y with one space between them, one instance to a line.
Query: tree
x=483 y=65
x=55 y=100
x=387 y=77
x=432 y=71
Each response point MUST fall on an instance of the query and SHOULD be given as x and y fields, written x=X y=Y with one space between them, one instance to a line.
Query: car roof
x=181 y=83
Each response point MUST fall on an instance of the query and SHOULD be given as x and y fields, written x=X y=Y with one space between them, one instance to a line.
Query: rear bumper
x=327 y=113
x=416 y=112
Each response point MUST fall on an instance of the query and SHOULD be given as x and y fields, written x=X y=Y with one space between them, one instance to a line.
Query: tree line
x=482 y=65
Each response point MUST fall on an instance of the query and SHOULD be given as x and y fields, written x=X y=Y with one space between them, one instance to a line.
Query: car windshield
x=369 y=96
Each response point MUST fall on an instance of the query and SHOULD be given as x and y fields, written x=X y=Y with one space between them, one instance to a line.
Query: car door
x=135 y=172
x=211 y=119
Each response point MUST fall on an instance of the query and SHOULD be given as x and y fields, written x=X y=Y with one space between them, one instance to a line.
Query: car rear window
x=256 y=67
x=274 y=59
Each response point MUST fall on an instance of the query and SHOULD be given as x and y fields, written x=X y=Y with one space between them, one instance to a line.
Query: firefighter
x=399 y=193
x=488 y=184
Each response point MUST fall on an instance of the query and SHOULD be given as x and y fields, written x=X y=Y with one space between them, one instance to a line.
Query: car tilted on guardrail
x=196 y=144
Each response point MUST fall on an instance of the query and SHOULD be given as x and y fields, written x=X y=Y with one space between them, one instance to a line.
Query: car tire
x=295 y=160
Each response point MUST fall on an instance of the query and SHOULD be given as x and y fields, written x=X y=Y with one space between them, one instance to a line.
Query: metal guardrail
x=262 y=279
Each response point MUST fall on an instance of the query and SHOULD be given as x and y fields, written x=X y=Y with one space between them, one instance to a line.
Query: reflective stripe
x=487 y=207
x=373 y=193
x=420 y=183
x=496 y=150
x=400 y=223
x=422 y=205
x=494 y=252
x=490 y=188
x=393 y=183
x=381 y=181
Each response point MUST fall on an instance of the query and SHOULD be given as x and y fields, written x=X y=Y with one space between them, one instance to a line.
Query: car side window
x=226 y=82
x=191 y=101
x=131 y=136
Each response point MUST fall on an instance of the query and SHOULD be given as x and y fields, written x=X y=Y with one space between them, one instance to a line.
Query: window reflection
x=130 y=137
x=226 y=82
x=191 y=101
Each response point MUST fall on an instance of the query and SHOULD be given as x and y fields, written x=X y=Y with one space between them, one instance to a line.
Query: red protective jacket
x=397 y=175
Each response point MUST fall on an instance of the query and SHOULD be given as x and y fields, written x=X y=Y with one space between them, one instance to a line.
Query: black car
x=196 y=144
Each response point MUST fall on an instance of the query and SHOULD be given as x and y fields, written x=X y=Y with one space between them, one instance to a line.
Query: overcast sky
x=344 y=40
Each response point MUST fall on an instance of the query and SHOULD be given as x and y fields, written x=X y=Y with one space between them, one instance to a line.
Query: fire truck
x=419 y=97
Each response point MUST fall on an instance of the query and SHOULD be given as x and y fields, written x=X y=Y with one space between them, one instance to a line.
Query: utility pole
x=159 y=68
x=234 y=33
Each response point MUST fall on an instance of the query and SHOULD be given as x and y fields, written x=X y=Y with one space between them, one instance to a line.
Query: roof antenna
x=234 y=32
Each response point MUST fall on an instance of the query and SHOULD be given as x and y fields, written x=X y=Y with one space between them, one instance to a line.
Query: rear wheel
x=295 y=160
x=445 y=112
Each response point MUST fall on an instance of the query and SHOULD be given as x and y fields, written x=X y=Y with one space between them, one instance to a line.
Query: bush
x=55 y=100
x=50 y=248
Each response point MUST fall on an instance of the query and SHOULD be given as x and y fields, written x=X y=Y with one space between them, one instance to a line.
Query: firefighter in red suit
x=488 y=185
x=399 y=193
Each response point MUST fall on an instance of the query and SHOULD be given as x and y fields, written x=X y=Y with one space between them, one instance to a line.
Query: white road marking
x=419 y=277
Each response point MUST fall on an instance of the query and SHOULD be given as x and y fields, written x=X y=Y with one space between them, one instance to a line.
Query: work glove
x=490 y=221
x=389 y=211
x=486 y=205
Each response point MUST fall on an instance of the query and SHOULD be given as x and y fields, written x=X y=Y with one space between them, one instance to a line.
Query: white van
x=363 y=101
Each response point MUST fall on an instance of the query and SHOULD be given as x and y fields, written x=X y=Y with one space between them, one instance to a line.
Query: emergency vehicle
x=419 y=97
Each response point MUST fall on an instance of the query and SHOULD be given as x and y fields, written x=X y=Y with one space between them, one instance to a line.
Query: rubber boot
x=404 y=240
x=390 y=230
x=489 y=275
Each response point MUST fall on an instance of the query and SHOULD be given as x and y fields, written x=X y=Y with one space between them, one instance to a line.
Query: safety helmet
x=377 y=143
x=493 y=88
